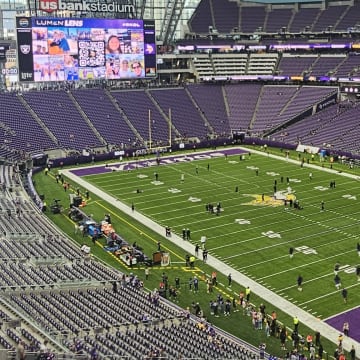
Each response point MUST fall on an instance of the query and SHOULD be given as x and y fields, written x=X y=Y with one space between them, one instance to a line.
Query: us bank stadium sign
x=85 y=6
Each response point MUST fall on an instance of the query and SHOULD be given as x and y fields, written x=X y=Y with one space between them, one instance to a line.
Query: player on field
x=299 y=282
x=344 y=294
x=337 y=281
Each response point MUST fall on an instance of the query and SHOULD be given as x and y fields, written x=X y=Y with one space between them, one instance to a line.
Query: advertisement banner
x=24 y=49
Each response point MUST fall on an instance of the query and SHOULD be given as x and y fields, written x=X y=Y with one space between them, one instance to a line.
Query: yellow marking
x=268 y=200
x=183 y=268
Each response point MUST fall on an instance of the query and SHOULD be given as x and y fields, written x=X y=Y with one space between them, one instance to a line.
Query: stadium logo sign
x=85 y=6
x=24 y=22
x=25 y=49
x=270 y=201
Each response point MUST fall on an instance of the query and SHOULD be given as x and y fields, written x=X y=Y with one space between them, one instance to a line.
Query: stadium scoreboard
x=70 y=49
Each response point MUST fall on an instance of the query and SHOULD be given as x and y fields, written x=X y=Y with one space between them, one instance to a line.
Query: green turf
x=332 y=233
x=248 y=247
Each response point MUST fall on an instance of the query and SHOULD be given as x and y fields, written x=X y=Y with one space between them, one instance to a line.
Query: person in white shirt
x=44 y=347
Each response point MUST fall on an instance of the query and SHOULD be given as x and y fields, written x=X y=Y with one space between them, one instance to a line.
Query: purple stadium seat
x=108 y=121
x=63 y=119
x=14 y=115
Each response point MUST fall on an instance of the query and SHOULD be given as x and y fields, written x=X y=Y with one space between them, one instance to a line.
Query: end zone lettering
x=53 y=5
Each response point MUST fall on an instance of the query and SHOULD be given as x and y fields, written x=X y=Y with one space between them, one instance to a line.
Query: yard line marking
x=279 y=243
x=305 y=265
x=326 y=295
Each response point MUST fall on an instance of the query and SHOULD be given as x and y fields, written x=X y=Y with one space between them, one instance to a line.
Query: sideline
x=306 y=165
x=291 y=309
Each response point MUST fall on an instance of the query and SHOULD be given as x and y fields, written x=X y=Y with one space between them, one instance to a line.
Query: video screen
x=61 y=49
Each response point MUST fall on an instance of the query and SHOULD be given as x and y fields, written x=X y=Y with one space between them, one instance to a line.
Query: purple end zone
x=165 y=160
x=352 y=317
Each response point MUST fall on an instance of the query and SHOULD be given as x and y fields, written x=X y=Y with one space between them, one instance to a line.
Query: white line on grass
x=310 y=236
x=305 y=265
x=326 y=295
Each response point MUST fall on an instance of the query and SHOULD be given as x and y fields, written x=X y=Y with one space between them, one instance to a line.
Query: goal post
x=156 y=148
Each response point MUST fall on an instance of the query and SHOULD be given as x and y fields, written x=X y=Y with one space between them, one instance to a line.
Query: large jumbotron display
x=68 y=49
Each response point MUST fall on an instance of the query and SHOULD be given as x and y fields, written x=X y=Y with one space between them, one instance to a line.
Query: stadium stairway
x=291 y=309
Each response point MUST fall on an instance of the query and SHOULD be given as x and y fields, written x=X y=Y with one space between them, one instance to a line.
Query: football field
x=252 y=209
